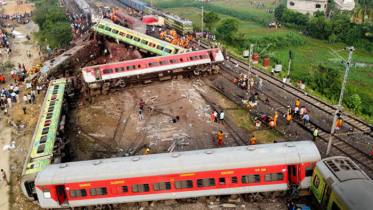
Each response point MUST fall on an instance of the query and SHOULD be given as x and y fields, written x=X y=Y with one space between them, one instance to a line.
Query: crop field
x=306 y=56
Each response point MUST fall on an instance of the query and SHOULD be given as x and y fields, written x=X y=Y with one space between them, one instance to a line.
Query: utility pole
x=250 y=65
x=151 y=3
x=202 y=21
x=351 y=49
x=290 y=57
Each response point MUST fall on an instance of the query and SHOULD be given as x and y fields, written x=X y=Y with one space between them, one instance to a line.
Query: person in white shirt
x=25 y=98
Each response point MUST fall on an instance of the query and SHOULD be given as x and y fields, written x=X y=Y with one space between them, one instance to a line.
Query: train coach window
x=153 y=64
x=163 y=62
x=144 y=42
x=168 y=50
x=78 y=193
x=131 y=67
x=203 y=56
x=101 y=26
x=108 y=28
x=194 y=58
x=159 y=47
x=222 y=180
x=122 y=34
x=234 y=180
x=140 y=188
x=129 y=36
x=309 y=170
x=151 y=44
x=183 y=184
x=98 y=191
x=182 y=59
x=108 y=71
x=137 y=39
x=272 y=177
x=115 y=31
x=206 y=182
x=316 y=181
x=247 y=179
x=125 y=188
x=119 y=69
x=162 y=186
x=174 y=61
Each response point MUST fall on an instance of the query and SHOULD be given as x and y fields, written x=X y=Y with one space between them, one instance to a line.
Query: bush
x=354 y=103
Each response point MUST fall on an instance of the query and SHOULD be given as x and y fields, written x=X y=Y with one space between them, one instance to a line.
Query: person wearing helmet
x=147 y=151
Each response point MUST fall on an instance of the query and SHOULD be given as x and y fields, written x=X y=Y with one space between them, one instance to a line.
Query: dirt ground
x=11 y=7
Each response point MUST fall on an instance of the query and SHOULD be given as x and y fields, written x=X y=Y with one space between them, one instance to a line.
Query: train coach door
x=97 y=73
x=212 y=58
x=293 y=174
x=61 y=194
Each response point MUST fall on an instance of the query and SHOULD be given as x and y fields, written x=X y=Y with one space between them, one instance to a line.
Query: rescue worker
x=220 y=137
x=288 y=118
x=252 y=84
x=275 y=119
x=253 y=140
x=297 y=102
x=212 y=117
x=147 y=151
x=315 y=132
x=289 y=111
x=338 y=125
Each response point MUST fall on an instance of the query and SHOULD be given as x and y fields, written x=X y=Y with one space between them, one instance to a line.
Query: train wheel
x=196 y=72
x=249 y=198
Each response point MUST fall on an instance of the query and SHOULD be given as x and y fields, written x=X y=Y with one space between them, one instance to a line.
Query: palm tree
x=364 y=8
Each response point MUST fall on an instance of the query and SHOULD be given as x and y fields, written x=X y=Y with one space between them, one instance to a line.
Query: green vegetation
x=211 y=19
x=363 y=8
x=313 y=62
x=55 y=29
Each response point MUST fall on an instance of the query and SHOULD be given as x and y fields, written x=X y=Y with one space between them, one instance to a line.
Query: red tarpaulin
x=150 y=19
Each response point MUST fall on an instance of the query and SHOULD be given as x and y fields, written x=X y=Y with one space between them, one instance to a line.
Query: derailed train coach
x=233 y=170
x=49 y=140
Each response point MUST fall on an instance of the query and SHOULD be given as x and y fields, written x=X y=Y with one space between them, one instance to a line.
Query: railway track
x=322 y=105
x=342 y=146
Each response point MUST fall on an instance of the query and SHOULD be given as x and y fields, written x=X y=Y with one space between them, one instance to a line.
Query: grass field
x=306 y=56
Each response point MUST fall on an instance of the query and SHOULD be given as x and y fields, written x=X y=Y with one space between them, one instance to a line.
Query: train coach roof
x=109 y=22
x=349 y=183
x=355 y=194
x=182 y=162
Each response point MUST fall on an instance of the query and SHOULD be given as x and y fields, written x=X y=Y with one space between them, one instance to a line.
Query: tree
x=364 y=8
x=354 y=103
x=228 y=28
x=340 y=24
x=60 y=34
x=210 y=19
x=318 y=14
x=319 y=28
x=279 y=11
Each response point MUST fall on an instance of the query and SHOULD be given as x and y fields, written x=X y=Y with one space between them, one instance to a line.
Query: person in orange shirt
x=288 y=118
x=253 y=140
x=220 y=136
x=338 y=124
x=275 y=118
x=297 y=102
x=147 y=151
x=212 y=117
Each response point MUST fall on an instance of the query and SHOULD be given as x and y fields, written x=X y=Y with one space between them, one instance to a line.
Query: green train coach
x=339 y=184
x=181 y=25
x=46 y=144
x=134 y=38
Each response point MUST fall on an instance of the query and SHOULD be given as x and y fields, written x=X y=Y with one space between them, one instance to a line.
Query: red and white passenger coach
x=118 y=74
x=232 y=170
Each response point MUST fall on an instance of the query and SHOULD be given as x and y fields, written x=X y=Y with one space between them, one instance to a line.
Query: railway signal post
x=290 y=57
x=351 y=49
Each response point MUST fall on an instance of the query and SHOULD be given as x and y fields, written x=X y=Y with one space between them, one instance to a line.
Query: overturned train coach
x=160 y=68
x=223 y=171
x=49 y=139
